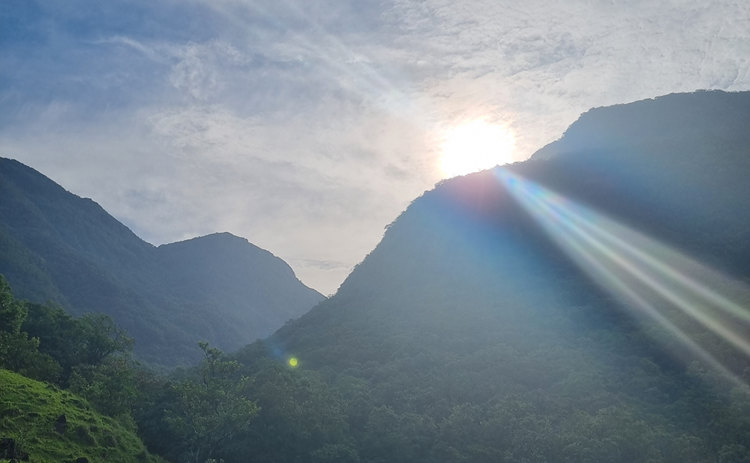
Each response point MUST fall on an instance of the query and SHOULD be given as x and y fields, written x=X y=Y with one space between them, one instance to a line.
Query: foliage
x=110 y=386
x=100 y=337
x=87 y=340
x=12 y=312
x=209 y=412
x=90 y=355
x=18 y=352
x=30 y=413
x=89 y=352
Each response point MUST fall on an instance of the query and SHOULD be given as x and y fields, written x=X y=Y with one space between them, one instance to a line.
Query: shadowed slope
x=469 y=335
x=57 y=246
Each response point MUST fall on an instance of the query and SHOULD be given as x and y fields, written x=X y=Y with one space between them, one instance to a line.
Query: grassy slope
x=28 y=410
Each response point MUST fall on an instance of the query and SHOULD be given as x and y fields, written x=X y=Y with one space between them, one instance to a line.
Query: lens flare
x=650 y=277
x=293 y=362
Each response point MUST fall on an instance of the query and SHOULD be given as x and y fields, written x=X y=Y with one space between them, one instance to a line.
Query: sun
x=476 y=146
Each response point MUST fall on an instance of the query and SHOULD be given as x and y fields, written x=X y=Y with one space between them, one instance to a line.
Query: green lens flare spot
x=293 y=362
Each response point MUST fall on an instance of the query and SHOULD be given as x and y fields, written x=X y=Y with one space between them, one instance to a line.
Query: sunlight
x=476 y=146
x=648 y=276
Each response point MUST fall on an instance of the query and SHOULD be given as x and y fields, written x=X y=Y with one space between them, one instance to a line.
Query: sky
x=308 y=126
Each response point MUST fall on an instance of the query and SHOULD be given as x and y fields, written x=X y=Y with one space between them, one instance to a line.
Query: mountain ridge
x=60 y=247
x=470 y=334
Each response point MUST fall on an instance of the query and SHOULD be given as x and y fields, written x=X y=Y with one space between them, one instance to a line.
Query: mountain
x=220 y=288
x=507 y=316
x=676 y=164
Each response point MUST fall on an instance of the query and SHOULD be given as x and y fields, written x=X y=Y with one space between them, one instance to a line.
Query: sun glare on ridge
x=476 y=146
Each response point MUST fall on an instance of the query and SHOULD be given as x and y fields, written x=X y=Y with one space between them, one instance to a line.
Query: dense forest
x=542 y=393
x=468 y=334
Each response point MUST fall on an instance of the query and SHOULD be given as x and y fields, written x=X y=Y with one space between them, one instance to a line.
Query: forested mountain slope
x=469 y=335
x=676 y=165
x=56 y=245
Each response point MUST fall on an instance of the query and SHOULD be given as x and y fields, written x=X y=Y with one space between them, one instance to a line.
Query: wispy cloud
x=307 y=126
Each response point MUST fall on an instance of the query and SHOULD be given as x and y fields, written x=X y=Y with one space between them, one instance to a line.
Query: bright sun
x=476 y=146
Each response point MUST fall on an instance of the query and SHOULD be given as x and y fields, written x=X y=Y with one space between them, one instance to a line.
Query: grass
x=30 y=409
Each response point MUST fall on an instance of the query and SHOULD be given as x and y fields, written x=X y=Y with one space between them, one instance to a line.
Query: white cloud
x=546 y=62
x=307 y=127
x=311 y=188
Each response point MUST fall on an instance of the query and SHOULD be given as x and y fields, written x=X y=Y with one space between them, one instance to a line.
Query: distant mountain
x=57 y=246
x=469 y=335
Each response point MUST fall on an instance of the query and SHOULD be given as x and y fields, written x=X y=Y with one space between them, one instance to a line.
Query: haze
x=307 y=127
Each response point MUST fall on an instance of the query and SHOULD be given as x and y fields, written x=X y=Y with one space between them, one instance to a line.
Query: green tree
x=18 y=351
x=56 y=331
x=209 y=412
x=12 y=312
x=110 y=386
x=88 y=340
x=100 y=337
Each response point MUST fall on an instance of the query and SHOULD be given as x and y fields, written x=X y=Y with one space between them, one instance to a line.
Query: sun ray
x=641 y=271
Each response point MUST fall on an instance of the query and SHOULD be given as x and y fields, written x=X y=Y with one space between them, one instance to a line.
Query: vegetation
x=90 y=357
x=206 y=414
x=50 y=425
x=88 y=353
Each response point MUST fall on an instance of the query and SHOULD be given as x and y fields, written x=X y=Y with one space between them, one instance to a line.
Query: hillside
x=60 y=247
x=471 y=334
x=31 y=414
x=676 y=166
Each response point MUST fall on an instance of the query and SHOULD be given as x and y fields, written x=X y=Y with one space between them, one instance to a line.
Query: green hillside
x=30 y=413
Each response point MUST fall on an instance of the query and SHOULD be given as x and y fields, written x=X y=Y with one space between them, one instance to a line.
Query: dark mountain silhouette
x=468 y=335
x=57 y=246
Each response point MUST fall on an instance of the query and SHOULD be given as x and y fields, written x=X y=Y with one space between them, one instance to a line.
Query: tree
x=209 y=412
x=100 y=338
x=12 y=312
x=110 y=386
x=18 y=351
x=85 y=341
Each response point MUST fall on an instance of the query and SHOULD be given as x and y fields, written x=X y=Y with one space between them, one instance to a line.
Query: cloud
x=309 y=188
x=306 y=127
x=546 y=62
